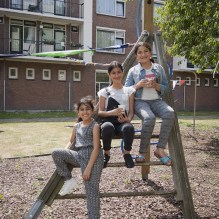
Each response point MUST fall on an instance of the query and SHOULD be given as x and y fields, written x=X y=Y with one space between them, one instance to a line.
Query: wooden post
x=180 y=175
x=148 y=25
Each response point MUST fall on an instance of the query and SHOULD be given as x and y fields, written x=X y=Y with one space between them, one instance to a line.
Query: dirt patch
x=22 y=180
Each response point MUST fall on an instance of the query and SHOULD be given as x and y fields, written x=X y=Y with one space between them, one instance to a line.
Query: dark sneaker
x=128 y=161
x=106 y=159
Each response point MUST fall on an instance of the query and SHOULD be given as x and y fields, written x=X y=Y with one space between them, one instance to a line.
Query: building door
x=16 y=45
x=17 y=4
x=59 y=7
x=59 y=37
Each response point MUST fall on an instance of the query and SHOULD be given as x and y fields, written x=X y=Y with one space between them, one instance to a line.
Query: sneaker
x=128 y=161
x=106 y=159
x=68 y=186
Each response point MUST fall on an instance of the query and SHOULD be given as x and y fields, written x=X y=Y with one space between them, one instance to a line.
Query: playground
x=21 y=180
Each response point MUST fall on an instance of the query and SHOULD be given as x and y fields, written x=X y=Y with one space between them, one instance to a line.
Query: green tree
x=192 y=27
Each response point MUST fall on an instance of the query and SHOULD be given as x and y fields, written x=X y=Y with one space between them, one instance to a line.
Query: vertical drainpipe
x=4 y=85
x=184 y=95
x=69 y=88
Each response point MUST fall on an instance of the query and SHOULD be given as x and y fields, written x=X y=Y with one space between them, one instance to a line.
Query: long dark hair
x=113 y=65
x=145 y=44
x=88 y=100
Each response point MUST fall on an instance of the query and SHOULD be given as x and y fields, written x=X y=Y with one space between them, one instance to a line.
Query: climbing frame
x=180 y=176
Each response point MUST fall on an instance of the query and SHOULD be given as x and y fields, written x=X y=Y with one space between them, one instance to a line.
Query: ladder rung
x=119 y=194
x=136 y=136
x=122 y=164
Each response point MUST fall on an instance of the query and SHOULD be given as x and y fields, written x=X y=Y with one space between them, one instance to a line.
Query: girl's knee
x=107 y=128
x=128 y=128
x=150 y=120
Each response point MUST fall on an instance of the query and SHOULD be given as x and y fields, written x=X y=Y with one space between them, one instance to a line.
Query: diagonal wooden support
x=180 y=175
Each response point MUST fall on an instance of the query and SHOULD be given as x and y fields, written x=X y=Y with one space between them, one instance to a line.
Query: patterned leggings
x=147 y=110
x=62 y=157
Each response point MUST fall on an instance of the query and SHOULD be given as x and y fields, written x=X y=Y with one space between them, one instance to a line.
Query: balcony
x=64 y=8
x=28 y=47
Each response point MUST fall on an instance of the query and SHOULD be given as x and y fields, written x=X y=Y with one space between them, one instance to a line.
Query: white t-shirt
x=149 y=93
x=121 y=95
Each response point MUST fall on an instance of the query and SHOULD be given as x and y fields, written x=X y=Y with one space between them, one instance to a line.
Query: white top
x=121 y=95
x=149 y=93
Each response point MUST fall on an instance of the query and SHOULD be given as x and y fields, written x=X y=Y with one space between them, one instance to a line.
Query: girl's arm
x=95 y=152
x=71 y=139
x=130 y=116
x=103 y=113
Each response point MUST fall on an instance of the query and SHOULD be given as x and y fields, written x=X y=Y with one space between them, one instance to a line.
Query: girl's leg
x=127 y=130
x=61 y=158
x=92 y=185
x=164 y=111
x=107 y=130
x=143 y=111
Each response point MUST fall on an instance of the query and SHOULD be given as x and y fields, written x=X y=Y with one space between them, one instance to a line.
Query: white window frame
x=198 y=84
x=111 y=30
x=76 y=79
x=47 y=78
x=178 y=78
x=188 y=81
x=115 y=9
x=13 y=76
x=208 y=82
x=62 y=77
x=33 y=76
x=216 y=85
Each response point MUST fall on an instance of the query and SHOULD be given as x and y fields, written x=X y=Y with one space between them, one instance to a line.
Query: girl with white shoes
x=89 y=157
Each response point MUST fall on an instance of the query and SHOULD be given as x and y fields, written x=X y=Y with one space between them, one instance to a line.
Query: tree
x=192 y=27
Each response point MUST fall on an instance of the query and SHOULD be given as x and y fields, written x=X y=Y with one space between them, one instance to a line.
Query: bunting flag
x=87 y=63
x=63 y=53
x=182 y=82
x=75 y=52
x=174 y=83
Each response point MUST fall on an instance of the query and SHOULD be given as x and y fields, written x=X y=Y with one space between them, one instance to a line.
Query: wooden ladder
x=181 y=190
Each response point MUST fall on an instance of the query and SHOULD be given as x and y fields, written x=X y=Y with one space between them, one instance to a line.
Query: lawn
x=28 y=138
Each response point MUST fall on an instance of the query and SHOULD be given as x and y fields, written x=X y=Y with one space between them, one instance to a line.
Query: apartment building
x=44 y=83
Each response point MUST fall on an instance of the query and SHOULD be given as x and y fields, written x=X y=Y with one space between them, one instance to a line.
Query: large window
x=111 y=7
x=22 y=34
x=52 y=36
x=109 y=37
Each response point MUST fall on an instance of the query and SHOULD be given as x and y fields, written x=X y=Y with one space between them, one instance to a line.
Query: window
x=52 y=37
x=1 y=20
x=110 y=37
x=157 y=5
x=46 y=74
x=30 y=73
x=76 y=76
x=13 y=73
x=16 y=4
x=178 y=78
x=74 y=29
x=22 y=34
x=206 y=82
x=62 y=75
x=188 y=80
x=111 y=7
x=198 y=82
x=102 y=80
x=215 y=82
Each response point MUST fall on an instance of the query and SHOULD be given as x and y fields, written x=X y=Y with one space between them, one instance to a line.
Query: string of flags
x=181 y=82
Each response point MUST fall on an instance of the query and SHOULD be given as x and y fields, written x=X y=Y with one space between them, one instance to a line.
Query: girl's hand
x=117 y=112
x=86 y=174
x=142 y=83
x=123 y=118
x=151 y=84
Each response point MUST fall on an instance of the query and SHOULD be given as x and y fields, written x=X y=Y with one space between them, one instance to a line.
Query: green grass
x=33 y=115
x=197 y=113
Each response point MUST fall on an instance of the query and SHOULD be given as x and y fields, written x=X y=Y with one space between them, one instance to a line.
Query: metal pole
x=69 y=88
x=4 y=85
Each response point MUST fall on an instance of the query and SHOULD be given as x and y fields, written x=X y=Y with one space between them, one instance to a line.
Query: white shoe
x=68 y=186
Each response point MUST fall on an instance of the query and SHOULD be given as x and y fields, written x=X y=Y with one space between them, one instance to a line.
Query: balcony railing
x=28 y=47
x=56 y=7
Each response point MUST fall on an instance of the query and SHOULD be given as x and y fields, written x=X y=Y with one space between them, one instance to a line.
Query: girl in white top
x=116 y=120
